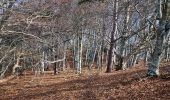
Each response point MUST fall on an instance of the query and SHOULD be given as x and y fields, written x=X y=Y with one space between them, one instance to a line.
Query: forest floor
x=131 y=84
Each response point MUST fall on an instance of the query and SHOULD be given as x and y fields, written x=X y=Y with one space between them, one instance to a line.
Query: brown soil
x=131 y=84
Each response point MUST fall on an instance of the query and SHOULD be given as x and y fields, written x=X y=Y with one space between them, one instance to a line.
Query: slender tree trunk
x=102 y=44
x=134 y=60
x=64 y=62
x=78 y=53
x=99 y=54
x=109 y=64
x=121 y=43
x=99 y=61
x=93 y=59
x=81 y=52
x=55 y=64
x=43 y=63
x=78 y=40
x=106 y=57
x=146 y=57
x=74 y=53
x=101 y=57
x=86 y=59
x=166 y=52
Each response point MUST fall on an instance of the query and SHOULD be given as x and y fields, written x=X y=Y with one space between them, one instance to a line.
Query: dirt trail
x=131 y=84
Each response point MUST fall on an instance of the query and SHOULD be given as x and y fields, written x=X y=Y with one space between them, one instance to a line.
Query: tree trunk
x=121 y=43
x=93 y=59
x=78 y=53
x=153 y=65
x=55 y=68
x=161 y=33
x=146 y=57
x=109 y=64
x=81 y=52
x=64 y=62
x=102 y=44
x=86 y=59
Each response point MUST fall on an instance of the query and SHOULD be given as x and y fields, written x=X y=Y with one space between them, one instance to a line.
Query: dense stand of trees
x=107 y=34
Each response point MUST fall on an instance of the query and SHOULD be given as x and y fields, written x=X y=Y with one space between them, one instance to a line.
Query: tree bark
x=102 y=44
x=64 y=62
x=121 y=43
x=78 y=53
x=109 y=64
x=161 y=33
x=153 y=65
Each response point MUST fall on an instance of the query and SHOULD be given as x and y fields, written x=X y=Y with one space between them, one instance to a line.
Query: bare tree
x=109 y=65
x=161 y=32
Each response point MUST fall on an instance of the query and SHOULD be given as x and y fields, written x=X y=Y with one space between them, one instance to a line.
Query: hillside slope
x=131 y=84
